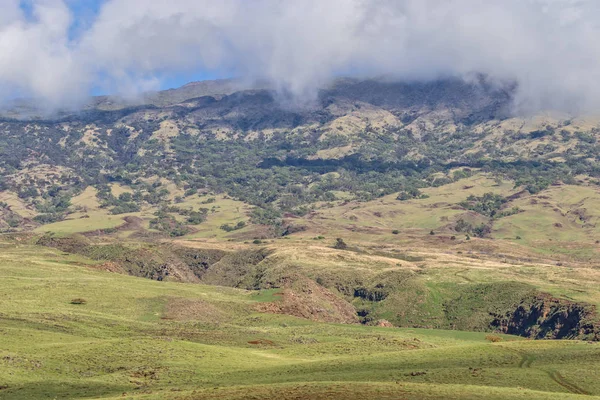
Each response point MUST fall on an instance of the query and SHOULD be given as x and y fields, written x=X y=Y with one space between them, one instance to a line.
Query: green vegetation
x=382 y=246
x=229 y=228
x=173 y=340
x=489 y=205
x=278 y=165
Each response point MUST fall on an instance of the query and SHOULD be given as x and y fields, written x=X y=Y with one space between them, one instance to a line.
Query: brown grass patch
x=181 y=309
x=493 y=338
x=306 y=299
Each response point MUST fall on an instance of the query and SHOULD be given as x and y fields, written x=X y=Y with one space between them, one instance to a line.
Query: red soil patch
x=304 y=298
x=262 y=341
x=384 y=323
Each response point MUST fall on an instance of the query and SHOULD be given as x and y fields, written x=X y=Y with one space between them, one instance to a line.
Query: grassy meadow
x=142 y=339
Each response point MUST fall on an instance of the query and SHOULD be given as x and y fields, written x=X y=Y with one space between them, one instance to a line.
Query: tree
x=340 y=244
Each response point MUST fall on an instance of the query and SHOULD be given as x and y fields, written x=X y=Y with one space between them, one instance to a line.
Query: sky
x=61 y=51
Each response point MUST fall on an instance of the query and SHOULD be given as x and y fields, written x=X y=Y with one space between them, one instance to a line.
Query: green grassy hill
x=137 y=338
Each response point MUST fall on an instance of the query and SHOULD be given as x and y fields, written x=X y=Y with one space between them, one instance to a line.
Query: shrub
x=410 y=194
x=489 y=205
x=168 y=224
x=395 y=231
x=190 y=192
x=124 y=207
x=48 y=218
x=229 y=228
x=340 y=244
x=196 y=217
x=463 y=226
x=493 y=338
x=482 y=230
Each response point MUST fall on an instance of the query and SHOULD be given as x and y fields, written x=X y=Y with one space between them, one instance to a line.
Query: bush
x=482 y=230
x=229 y=228
x=489 y=205
x=493 y=338
x=340 y=244
x=48 y=218
x=124 y=207
x=411 y=194
x=168 y=224
x=125 y=197
x=395 y=231
x=196 y=217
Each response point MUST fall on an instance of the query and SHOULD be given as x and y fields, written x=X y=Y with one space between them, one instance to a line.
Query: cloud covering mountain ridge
x=547 y=47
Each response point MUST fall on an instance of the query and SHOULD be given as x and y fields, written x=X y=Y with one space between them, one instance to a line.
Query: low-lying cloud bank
x=548 y=47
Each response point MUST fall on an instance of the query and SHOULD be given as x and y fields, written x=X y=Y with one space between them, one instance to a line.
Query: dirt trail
x=459 y=274
x=571 y=387
x=527 y=360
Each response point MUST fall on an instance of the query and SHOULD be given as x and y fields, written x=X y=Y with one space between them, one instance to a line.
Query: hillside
x=361 y=141
x=70 y=329
x=403 y=240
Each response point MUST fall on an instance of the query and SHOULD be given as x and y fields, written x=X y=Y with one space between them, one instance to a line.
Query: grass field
x=223 y=211
x=137 y=338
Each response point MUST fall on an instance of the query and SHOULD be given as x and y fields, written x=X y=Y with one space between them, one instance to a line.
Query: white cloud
x=549 y=47
x=36 y=57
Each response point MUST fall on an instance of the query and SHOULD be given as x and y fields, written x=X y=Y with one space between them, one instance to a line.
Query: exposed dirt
x=109 y=266
x=262 y=341
x=182 y=309
x=384 y=323
x=306 y=299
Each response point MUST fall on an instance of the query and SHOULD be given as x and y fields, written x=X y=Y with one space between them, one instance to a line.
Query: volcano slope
x=391 y=240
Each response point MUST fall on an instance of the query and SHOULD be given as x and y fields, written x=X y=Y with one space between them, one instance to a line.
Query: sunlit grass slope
x=136 y=338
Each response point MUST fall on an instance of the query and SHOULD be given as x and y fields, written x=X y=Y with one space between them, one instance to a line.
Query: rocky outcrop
x=546 y=317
